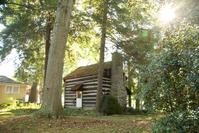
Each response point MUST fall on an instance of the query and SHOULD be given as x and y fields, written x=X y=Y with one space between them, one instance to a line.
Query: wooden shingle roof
x=86 y=71
x=4 y=79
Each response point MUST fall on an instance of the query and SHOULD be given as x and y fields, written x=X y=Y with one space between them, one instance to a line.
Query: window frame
x=10 y=89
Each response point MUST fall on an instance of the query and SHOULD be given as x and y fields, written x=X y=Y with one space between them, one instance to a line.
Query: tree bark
x=49 y=26
x=33 y=93
x=52 y=89
x=101 y=60
x=137 y=104
x=129 y=84
x=47 y=45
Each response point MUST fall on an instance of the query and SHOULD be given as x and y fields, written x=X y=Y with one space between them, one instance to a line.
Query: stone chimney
x=117 y=79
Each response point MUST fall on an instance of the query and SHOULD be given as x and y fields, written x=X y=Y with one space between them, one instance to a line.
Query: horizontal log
x=70 y=95
x=70 y=101
x=89 y=105
x=81 y=82
x=70 y=104
x=89 y=91
x=91 y=82
x=69 y=92
x=89 y=101
x=90 y=98
x=86 y=78
x=87 y=85
x=81 y=78
x=89 y=94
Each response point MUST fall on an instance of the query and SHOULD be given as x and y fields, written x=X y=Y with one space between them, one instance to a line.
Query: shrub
x=178 y=122
x=4 y=105
x=110 y=105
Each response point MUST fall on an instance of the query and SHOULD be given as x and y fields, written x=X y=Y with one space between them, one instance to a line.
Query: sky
x=7 y=67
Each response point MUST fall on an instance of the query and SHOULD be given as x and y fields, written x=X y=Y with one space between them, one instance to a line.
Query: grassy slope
x=20 y=121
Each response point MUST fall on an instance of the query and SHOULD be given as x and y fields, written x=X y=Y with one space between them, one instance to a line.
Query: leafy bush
x=110 y=105
x=178 y=122
x=171 y=80
x=4 y=105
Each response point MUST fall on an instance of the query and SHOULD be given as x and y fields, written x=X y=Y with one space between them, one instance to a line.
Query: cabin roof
x=86 y=71
x=4 y=79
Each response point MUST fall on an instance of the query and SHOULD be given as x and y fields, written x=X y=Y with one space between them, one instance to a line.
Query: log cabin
x=80 y=86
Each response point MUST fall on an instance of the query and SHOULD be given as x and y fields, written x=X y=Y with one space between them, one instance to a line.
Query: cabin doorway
x=78 y=99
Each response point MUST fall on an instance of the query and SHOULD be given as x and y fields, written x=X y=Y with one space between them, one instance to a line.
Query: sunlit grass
x=19 y=119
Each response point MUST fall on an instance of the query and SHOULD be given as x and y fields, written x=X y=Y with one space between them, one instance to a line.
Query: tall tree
x=27 y=24
x=33 y=93
x=101 y=60
x=52 y=90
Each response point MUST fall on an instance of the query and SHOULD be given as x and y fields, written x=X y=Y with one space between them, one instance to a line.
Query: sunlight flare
x=166 y=14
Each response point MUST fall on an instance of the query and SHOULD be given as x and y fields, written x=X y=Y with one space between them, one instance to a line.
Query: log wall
x=89 y=90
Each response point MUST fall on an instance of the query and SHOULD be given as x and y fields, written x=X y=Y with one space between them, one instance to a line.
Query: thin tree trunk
x=101 y=61
x=137 y=104
x=129 y=84
x=47 y=49
x=47 y=46
x=52 y=89
x=33 y=93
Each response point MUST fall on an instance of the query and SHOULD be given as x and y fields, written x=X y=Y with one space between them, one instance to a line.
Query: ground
x=21 y=121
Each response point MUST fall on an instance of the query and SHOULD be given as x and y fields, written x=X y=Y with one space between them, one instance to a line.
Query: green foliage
x=4 y=105
x=110 y=105
x=178 y=122
x=17 y=104
x=25 y=30
x=171 y=82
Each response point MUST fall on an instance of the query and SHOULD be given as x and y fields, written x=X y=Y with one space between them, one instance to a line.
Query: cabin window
x=107 y=73
x=12 y=89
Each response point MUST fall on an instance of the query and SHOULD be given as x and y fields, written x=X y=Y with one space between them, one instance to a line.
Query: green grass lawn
x=21 y=121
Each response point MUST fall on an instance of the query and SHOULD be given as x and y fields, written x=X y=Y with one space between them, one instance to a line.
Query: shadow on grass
x=17 y=112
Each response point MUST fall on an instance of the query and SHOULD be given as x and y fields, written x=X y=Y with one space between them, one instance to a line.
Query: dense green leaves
x=171 y=81
x=178 y=122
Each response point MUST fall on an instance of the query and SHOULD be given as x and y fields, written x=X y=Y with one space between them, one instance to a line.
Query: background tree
x=27 y=24
x=133 y=34
x=102 y=48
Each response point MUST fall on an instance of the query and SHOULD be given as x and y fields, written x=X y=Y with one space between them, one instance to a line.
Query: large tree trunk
x=52 y=89
x=101 y=61
x=33 y=93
